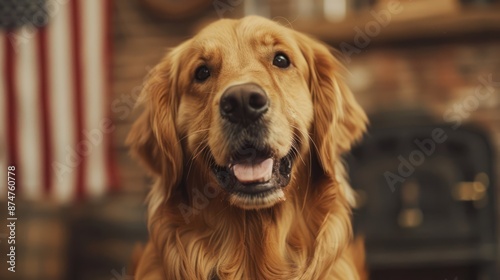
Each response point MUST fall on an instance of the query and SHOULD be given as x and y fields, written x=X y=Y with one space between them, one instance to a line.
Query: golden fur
x=196 y=230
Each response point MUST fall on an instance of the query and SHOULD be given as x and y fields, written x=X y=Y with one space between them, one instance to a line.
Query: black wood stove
x=425 y=200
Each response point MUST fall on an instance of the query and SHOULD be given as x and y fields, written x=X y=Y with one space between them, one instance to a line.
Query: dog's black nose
x=243 y=103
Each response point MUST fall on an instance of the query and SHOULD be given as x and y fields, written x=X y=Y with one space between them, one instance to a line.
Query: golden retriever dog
x=243 y=129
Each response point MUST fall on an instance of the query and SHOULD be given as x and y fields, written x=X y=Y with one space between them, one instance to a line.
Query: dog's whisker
x=195 y=151
x=201 y=146
x=310 y=163
x=193 y=133
x=199 y=152
x=296 y=152
x=308 y=136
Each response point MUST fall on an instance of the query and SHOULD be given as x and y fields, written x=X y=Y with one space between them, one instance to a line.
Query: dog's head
x=246 y=99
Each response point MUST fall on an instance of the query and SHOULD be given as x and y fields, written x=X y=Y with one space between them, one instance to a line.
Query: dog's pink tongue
x=259 y=172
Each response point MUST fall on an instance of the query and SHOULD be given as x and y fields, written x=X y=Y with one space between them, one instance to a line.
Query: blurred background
x=426 y=175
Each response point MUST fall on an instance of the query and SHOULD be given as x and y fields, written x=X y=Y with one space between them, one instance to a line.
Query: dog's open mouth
x=255 y=178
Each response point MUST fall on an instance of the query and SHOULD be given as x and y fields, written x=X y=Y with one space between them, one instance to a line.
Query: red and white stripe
x=3 y=121
x=54 y=96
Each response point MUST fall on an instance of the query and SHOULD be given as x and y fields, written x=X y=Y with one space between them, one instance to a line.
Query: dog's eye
x=202 y=73
x=281 y=60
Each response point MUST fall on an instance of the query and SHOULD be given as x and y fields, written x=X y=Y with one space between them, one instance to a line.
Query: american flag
x=55 y=117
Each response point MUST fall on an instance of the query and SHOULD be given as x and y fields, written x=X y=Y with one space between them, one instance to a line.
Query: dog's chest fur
x=290 y=241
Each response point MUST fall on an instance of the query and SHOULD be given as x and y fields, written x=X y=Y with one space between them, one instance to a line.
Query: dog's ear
x=153 y=137
x=339 y=121
x=143 y=144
